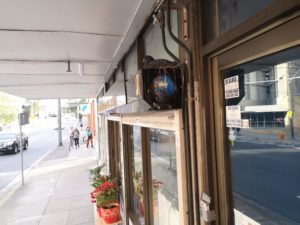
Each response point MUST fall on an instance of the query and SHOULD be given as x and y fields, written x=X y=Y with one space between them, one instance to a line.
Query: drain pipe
x=194 y=204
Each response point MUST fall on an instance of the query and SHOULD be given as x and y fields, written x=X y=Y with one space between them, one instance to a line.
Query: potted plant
x=107 y=201
x=97 y=180
x=96 y=172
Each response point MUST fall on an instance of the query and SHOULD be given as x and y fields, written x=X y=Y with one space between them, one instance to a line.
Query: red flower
x=107 y=185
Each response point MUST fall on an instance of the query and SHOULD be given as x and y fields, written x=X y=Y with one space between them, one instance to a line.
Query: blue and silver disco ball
x=163 y=88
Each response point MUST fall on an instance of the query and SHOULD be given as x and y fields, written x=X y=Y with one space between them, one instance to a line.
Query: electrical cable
x=185 y=111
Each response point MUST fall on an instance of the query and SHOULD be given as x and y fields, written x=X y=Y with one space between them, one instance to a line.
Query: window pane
x=137 y=184
x=264 y=135
x=234 y=12
x=164 y=177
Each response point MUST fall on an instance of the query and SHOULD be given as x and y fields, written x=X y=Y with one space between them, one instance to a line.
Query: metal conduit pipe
x=125 y=82
x=161 y=19
x=191 y=122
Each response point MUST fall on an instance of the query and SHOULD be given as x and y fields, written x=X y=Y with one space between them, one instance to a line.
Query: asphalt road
x=42 y=139
x=268 y=175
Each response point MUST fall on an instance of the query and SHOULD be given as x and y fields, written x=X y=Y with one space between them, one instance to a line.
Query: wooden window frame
x=166 y=120
x=262 y=44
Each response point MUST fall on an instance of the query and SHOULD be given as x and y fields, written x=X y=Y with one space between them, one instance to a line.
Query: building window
x=220 y=16
x=263 y=141
x=137 y=207
x=234 y=12
x=164 y=177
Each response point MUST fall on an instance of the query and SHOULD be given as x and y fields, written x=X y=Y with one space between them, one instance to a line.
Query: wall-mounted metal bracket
x=206 y=214
x=185 y=18
x=184 y=11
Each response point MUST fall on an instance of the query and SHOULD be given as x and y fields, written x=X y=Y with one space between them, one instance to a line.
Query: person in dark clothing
x=76 y=135
x=89 y=135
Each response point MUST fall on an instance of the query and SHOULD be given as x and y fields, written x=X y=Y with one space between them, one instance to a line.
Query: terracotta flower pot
x=111 y=213
x=99 y=212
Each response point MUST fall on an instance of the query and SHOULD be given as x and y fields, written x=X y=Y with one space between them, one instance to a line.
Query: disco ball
x=163 y=88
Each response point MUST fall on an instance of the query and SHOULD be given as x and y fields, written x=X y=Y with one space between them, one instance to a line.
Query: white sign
x=231 y=87
x=233 y=116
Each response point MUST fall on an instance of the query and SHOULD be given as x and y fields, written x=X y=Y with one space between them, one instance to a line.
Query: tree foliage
x=8 y=109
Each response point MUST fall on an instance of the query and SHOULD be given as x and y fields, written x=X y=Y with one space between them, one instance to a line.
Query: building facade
x=200 y=121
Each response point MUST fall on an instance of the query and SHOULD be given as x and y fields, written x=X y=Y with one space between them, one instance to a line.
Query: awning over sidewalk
x=38 y=38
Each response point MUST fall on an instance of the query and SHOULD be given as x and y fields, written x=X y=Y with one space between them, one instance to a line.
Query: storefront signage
x=231 y=86
x=233 y=116
x=23 y=118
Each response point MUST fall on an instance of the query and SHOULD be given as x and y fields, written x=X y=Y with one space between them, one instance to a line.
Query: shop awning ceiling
x=38 y=37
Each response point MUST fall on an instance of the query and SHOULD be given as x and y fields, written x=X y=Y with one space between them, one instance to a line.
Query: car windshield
x=7 y=136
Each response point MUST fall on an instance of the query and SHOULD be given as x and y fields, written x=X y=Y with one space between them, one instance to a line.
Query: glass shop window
x=164 y=177
x=263 y=122
x=234 y=12
x=136 y=176
x=230 y=13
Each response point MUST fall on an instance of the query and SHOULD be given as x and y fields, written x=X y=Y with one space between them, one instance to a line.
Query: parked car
x=10 y=142
x=157 y=135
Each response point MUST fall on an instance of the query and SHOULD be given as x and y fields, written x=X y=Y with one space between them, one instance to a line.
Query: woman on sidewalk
x=76 y=135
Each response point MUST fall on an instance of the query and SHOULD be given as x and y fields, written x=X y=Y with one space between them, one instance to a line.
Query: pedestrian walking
x=71 y=133
x=89 y=135
x=76 y=135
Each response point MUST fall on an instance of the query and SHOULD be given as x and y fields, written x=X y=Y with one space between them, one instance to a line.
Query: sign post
x=23 y=119
x=22 y=160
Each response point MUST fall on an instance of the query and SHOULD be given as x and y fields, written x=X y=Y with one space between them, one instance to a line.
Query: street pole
x=59 y=123
x=291 y=108
x=21 y=149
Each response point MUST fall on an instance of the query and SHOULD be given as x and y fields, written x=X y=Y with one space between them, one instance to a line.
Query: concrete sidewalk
x=56 y=192
x=267 y=136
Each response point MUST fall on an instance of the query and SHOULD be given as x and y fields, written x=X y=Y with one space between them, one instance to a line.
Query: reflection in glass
x=265 y=151
x=164 y=177
x=136 y=170
x=234 y=12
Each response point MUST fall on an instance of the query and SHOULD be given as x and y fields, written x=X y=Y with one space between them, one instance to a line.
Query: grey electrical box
x=23 y=118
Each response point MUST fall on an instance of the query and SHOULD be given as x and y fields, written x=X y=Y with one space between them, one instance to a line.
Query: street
x=268 y=175
x=42 y=138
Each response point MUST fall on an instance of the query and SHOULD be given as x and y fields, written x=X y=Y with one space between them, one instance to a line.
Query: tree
x=8 y=109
